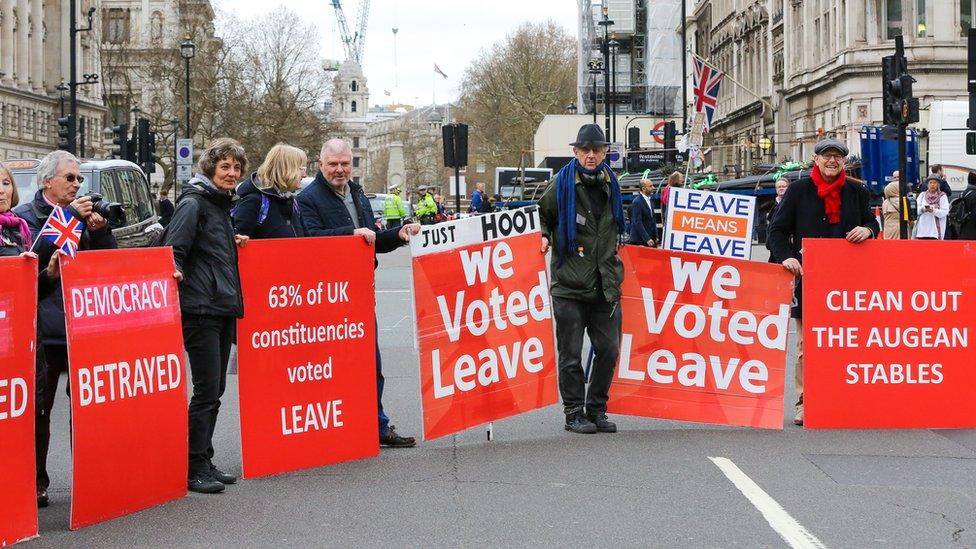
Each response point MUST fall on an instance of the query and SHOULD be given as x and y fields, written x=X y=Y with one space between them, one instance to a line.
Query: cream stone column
x=37 y=46
x=7 y=42
x=23 y=43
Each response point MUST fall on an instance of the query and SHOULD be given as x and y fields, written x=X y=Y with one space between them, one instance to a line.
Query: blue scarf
x=566 y=205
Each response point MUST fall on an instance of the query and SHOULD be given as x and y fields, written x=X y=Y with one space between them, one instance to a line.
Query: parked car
x=117 y=181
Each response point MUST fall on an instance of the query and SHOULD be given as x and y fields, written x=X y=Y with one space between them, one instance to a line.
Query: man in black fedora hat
x=823 y=204
x=583 y=219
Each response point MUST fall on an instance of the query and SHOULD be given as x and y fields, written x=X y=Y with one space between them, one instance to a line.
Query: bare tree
x=510 y=87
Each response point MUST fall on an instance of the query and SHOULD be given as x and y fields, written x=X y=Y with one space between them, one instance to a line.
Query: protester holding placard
x=582 y=217
x=333 y=205
x=59 y=177
x=643 y=223
x=822 y=205
x=676 y=179
x=203 y=241
x=268 y=205
x=15 y=235
x=933 y=208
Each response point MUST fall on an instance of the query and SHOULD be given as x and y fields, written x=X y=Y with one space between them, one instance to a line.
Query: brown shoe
x=391 y=439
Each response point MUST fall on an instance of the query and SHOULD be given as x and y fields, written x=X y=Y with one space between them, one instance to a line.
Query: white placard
x=709 y=223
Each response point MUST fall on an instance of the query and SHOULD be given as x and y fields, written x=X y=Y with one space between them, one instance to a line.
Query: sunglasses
x=71 y=178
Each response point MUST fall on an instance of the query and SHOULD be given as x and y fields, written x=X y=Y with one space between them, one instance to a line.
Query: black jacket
x=801 y=215
x=643 y=225
x=773 y=208
x=324 y=214
x=282 y=219
x=968 y=230
x=50 y=308
x=202 y=238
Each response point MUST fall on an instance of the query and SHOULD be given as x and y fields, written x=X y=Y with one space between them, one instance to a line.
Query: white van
x=947 y=141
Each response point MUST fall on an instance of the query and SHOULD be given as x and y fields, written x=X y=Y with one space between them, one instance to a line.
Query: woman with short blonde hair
x=267 y=206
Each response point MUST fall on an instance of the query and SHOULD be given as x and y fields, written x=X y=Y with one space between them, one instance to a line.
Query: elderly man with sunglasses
x=823 y=204
x=59 y=180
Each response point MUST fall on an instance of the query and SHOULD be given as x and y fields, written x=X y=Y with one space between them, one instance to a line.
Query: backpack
x=959 y=215
x=160 y=237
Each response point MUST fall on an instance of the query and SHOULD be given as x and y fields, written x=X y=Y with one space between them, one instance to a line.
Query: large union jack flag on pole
x=706 y=84
x=63 y=230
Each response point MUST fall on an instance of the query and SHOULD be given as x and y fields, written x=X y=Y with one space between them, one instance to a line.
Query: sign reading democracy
x=307 y=354
x=128 y=386
x=886 y=338
x=704 y=339
x=484 y=321
x=710 y=223
x=18 y=312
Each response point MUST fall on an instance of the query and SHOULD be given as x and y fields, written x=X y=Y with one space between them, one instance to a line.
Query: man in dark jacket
x=821 y=205
x=166 y=209
x=582 y=217
x=643 y=224
x=59 y=177
x=968 y=229
x=332 y=205
x=781 y=185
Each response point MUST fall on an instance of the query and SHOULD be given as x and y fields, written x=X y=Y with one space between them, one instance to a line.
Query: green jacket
x=578 y=277
x=426 y=206
x=393 y=207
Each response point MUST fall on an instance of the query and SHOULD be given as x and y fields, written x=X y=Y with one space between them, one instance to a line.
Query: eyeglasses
x=834 y=157
x=71 y=178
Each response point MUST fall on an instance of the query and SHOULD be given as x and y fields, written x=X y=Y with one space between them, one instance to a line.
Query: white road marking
x=786 y=526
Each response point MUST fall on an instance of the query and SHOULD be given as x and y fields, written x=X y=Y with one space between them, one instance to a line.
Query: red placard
x=484 y=321
x=704 y=339
x=18 y=316
x=306 y=354
x=128 y=382
x=887 y=326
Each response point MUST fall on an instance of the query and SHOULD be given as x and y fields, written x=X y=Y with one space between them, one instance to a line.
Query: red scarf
x=829 y=193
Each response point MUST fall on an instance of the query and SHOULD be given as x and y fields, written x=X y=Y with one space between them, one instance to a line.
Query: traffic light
x=899 y=106
x=120 y=140
x=670 y=142
x=66 y=126
x=146 y=140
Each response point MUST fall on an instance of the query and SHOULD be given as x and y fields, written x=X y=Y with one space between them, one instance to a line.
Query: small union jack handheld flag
x=706 y=85
x=63 y=230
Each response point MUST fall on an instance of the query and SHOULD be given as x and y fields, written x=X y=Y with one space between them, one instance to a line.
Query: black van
x=117 y=181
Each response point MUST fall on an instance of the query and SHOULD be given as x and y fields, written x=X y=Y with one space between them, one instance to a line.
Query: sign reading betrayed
x=128 y=390
x=18 y=310
x=484 y=321
x=709 y=223
x=886 y=340
x=307 y=354
x=704 y=339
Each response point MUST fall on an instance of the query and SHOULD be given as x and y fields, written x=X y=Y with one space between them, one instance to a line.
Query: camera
x=111 y=211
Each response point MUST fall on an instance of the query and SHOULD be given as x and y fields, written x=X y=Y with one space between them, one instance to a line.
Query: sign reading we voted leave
x=484 y=321
x=887 y=338
x=710 y=223
x=18 y=313
x=128 y=383
x=703 y=339
x=306 y=354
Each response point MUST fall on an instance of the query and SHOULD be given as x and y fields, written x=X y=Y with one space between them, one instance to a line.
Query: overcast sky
x=447 y=32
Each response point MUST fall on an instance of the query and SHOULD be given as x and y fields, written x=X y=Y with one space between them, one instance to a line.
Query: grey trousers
x=601 y=321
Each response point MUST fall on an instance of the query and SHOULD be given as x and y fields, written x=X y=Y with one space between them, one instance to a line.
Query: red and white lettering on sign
x=484 y=321
x=307 y=354
x=18 y=313
x=128 y=386
x=704 y=339
x=886 y=337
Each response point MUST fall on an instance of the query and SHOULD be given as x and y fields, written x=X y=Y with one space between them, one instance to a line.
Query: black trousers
x=51 y=362
x=208 y=340
x=601 y=321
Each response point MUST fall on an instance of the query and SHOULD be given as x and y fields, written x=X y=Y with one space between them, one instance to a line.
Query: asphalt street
x=651 y=484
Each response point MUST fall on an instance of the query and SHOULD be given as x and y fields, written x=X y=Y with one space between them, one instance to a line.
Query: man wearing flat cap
x=823 y=204
x=583 y=219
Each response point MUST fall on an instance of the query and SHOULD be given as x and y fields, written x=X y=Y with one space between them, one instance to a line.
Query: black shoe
x=42 y=497
x=603 y=425
x=203 y=483
x=577 y=423
x=392 y=440
x=221 y=476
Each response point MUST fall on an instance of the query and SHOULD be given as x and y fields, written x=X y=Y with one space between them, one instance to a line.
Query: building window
x=355 y=142
x=920 y=30
x=352 y=106
x=355 y=162
x=892 y=15
x=354 y=86
x=966 y=10
x=116 y=26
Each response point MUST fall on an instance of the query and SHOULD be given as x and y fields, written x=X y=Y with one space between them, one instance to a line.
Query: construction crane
x=354 y=42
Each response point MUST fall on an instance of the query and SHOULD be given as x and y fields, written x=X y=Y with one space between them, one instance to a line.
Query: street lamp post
x=613 y=45
x=595 y=68
x=606 y=23
x=62 y=87
x=187 y=49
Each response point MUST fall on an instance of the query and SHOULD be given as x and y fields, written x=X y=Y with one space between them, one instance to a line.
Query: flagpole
x=684 y=67
x=734 y=81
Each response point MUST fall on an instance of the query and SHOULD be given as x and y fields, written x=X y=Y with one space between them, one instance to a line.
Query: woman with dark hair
x=933 y=208
x=205 y=249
